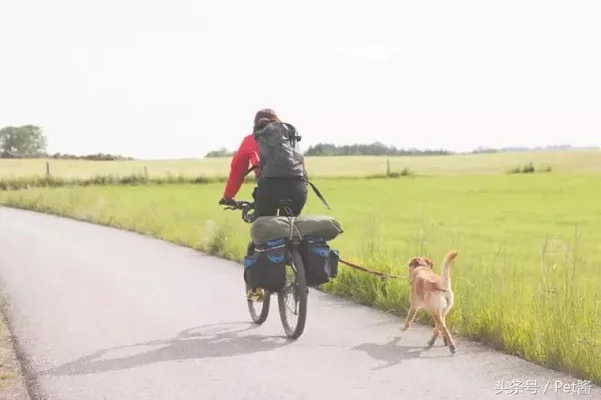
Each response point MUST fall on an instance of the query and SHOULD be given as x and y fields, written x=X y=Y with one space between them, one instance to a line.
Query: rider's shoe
x=256 y=295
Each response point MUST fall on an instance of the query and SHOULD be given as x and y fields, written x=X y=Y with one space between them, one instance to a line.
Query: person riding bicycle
x=279 y=170
x=276 y=179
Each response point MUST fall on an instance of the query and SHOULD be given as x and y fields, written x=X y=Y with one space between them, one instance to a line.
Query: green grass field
x=526 y=279
x=564 y=161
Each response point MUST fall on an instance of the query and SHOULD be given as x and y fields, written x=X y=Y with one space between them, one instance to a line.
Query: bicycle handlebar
x=246 y=207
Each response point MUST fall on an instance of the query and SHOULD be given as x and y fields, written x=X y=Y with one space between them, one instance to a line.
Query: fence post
x=146 y=171
x=47 y=168
x=387 y=166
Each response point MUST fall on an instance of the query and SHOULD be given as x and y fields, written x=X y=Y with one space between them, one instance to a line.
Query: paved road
x=106 y=314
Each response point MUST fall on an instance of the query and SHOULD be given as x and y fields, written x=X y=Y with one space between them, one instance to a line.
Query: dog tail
x=446 y=269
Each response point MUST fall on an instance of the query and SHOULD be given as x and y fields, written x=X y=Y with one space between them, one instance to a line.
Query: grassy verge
x=350 y=166
x=526 y=279
x=19 y=183
x=12 y=384
x=28 y=182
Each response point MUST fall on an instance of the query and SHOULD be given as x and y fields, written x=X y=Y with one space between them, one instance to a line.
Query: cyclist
x=279 y=170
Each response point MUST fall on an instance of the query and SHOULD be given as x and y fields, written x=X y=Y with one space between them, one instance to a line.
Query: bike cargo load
x=269 y=228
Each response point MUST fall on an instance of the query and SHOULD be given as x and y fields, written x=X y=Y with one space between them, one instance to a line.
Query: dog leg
x=434 y=337
x=410 y=318
x=435 y=332
x=444 y=318
x=447 y=335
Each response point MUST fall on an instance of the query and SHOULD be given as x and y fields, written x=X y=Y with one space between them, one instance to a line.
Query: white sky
x=179 y=78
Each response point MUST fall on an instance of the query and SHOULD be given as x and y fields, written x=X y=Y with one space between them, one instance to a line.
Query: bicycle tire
x=302 y=292
x=259 y=317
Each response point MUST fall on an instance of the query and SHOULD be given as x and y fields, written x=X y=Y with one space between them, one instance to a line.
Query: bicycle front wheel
x=293 y=298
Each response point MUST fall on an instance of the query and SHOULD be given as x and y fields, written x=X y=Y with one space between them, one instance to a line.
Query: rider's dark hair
x=263 y=117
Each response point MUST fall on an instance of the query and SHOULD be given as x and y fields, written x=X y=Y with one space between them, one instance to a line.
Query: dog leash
x=382 y=275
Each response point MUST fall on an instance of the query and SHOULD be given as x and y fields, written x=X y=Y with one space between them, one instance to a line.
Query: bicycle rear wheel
x=295 y=290
x=259 y=310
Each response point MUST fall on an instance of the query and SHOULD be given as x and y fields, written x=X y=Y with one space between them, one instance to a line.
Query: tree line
x=328 y=149
x=379 y=149
x=28 y=141
x=371 y=149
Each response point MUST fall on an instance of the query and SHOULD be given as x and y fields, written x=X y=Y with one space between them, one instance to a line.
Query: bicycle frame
x=300 y=290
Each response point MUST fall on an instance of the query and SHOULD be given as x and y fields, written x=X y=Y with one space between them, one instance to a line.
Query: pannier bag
x=321 y=261
x=266 y=267
x=269 y=228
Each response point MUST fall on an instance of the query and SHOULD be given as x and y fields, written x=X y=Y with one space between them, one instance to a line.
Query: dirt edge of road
x=12 y=380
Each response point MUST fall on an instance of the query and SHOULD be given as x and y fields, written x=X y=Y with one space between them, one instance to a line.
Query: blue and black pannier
x=265 y=268
x=321 y=261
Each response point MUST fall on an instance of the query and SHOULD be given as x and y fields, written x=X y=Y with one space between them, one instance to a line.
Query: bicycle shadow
x=391 y=354
x=200 y=342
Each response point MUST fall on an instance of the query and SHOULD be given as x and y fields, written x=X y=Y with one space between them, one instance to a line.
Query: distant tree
x=372 y=149
x=485 y=150
x=94 y=157
x=222 y=152
x=22 y=141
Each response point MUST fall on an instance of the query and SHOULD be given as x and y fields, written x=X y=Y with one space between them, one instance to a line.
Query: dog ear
x=413 y=262
x=429 y=262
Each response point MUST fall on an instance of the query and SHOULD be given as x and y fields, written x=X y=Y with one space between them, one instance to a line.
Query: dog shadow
x=392 y=354
x=195 y=343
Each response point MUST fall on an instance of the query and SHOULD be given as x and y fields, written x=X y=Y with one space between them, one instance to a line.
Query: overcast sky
x=177 y=78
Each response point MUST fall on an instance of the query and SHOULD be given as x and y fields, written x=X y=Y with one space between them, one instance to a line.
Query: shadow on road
x=391 y=353
x=217 y=340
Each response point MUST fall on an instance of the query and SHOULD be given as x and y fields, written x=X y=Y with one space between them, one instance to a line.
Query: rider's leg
x=265 y=201
x=269 y=192
x=296 y=191
x=298 y=194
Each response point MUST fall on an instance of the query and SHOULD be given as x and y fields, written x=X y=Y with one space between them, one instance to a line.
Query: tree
x=222 y=152
x=22 y=141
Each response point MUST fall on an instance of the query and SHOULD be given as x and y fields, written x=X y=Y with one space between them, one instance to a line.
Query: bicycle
x=297 y=286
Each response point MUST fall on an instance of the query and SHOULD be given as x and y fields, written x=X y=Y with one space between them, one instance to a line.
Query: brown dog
x=432 y=292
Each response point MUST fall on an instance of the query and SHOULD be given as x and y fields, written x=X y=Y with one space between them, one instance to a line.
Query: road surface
x=100 y=313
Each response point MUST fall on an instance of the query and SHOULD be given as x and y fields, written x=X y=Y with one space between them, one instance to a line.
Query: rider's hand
x=227 y=202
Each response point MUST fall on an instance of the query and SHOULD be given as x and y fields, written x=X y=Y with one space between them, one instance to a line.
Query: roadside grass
x=347 y=166
x=12 y=382
x=526 y=278
x=26 y=182
x=19 y=183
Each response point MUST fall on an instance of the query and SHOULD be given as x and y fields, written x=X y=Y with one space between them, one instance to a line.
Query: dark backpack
x=278 y=158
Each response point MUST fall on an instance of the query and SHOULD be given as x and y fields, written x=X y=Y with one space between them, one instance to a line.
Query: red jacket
x=247 y=153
